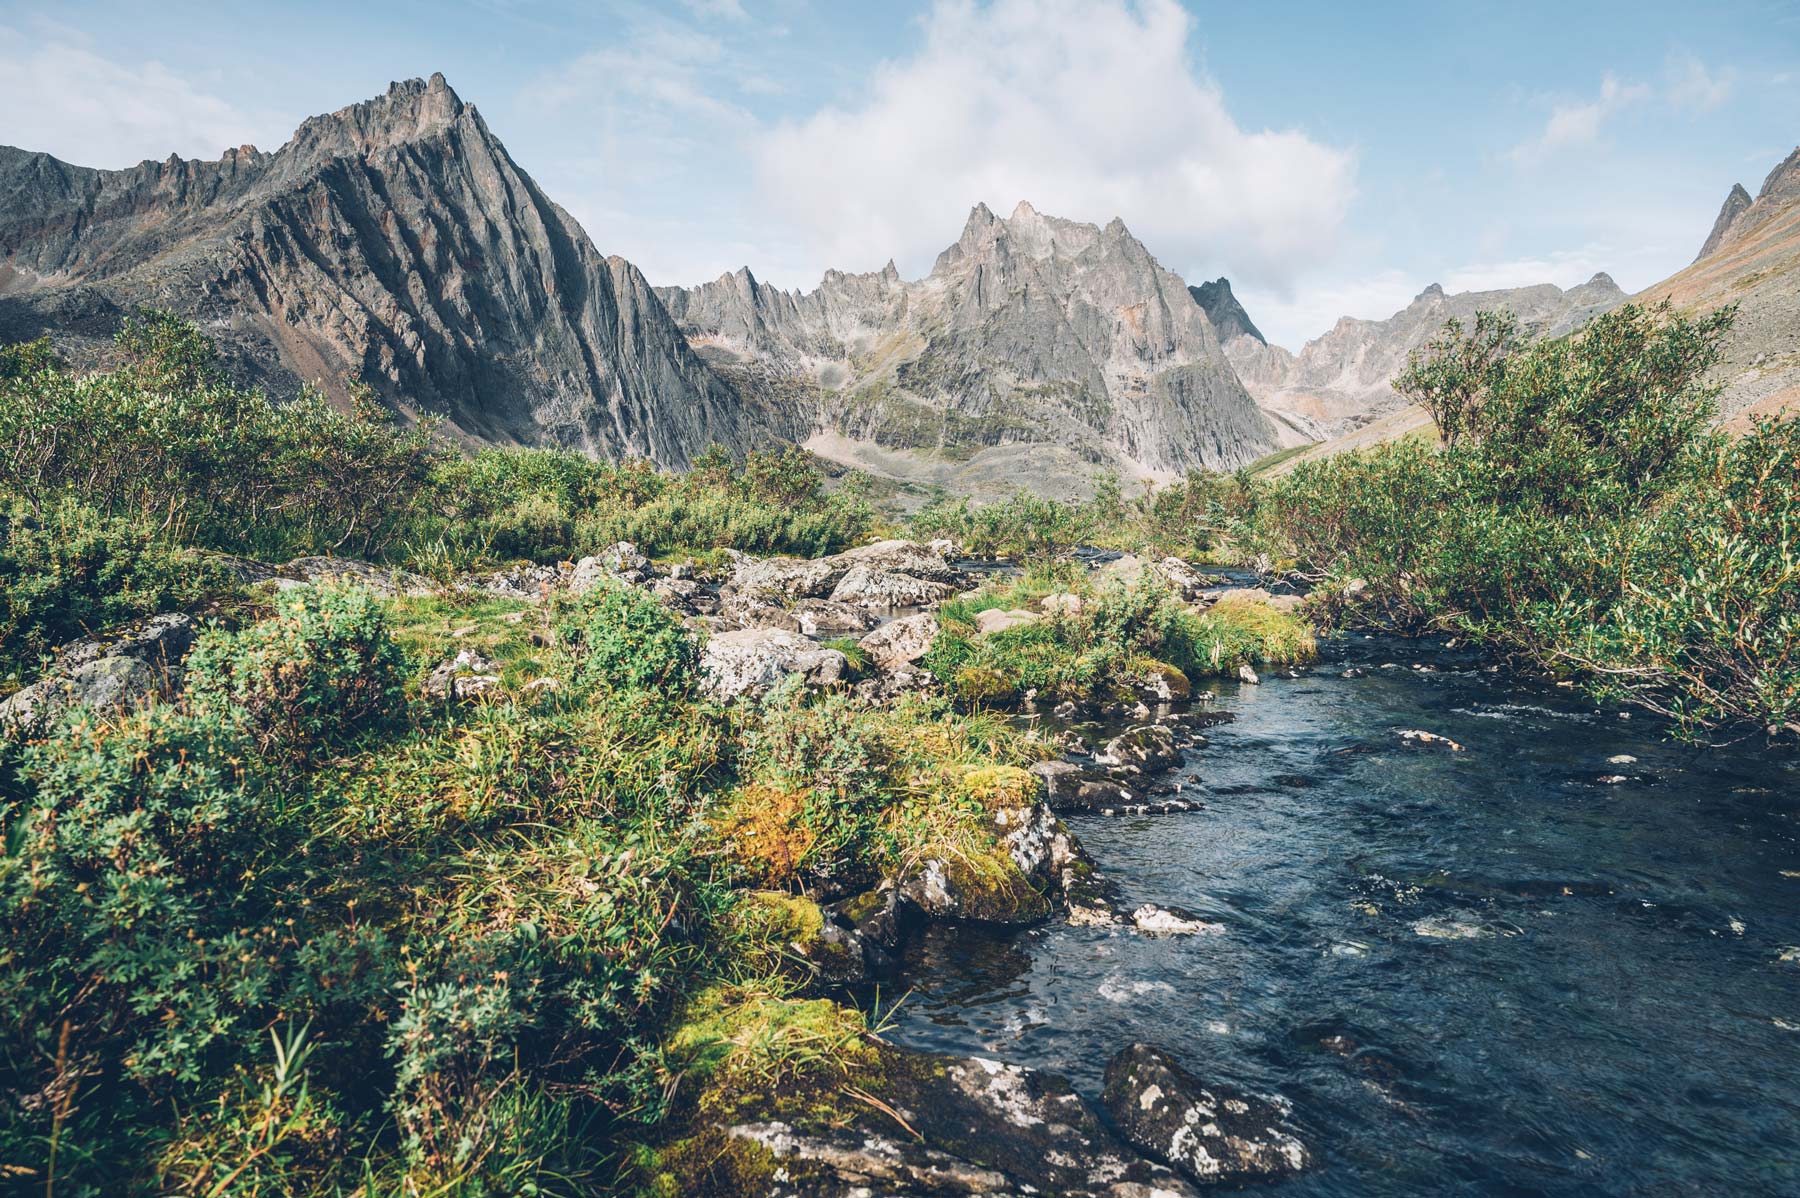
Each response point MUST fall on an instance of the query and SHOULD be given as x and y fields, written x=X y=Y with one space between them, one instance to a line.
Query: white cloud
x=729 y=10
x=63 y=99
x=1291 y=317
x=1693 y=87
x=1088 y=110
x=1573 y=126
x=1565 y=268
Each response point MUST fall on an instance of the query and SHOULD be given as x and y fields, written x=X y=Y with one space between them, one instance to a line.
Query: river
x=1529 y=967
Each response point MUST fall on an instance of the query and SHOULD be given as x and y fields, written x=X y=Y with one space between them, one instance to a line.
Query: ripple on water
x=1553 y=991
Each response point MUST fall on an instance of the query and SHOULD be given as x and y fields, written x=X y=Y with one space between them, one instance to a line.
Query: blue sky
x=1331 y=159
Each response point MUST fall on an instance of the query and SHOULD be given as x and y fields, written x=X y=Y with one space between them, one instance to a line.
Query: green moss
x=1002 y=786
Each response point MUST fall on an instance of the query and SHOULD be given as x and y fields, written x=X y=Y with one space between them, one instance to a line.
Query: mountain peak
x=1229 y=320
x=410 y=110
x=1023 y=211
x=1431 y=292
x=1784 y=179
x=1737 y=200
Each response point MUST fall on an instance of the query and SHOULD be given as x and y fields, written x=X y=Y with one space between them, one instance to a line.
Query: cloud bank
x=1087 y=110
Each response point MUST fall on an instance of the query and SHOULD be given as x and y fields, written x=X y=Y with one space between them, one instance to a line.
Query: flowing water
x=1524 y=968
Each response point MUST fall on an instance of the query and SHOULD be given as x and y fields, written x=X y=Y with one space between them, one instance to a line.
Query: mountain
x=1344 y=379
x=1228 y=317
x=393 y=242
x=1751 y=259
x=1035 y=349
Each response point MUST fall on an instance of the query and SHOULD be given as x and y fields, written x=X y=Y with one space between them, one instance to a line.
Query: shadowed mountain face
x=1344 y=379
x=1229 y=320
x=394 y=242
x=1035 y=346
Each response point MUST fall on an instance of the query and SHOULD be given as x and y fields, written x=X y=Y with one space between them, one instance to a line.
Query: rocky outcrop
x=752 y=660
x=1035 y=342
x=128 y=667
x=1737 y=200
x=1751 y=259
x=1213 y=1134
x=939 y=1126
x=1345 y=379
x=393 y=242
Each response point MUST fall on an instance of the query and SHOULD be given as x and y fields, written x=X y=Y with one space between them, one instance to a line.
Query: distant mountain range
x=1344 y=379
x=1036 y=348
x=396 y=243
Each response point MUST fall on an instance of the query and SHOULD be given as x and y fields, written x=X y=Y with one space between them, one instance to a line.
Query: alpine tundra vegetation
x=475 y=724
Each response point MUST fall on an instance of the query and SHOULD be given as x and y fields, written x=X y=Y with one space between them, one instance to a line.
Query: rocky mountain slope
x=1344 y=379
x=394 y=242
x=1035 y=350
x=1752 y=259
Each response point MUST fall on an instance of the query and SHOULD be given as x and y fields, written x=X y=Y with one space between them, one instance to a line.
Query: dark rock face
x=1222 y=308
x=1067 y=341
x=393 y=242
x=1212 y=1134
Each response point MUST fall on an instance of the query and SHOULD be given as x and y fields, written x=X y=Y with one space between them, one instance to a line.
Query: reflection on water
x=1549 y=964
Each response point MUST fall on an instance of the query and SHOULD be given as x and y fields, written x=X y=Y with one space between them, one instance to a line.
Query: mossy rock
x=1000 y=787
x=797 y=937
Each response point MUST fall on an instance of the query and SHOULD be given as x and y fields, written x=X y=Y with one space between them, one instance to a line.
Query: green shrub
x=324 y=668
x=1582 y=517
x=71 y=572
x=629 y=641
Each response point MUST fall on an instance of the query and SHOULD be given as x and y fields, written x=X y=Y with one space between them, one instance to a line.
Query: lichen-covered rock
x=883 y=590
x=752 y=660
x=1061 y=604
x=1182 y=578
x=124 y=668
x=1158 y=682
x=468 y=675
x=901 y=557
x=899 y=641
x=784 y=577
x=828 y=618
x=754 y=611
x=1148 y=747
x=383 y=580
x=1213 y=1134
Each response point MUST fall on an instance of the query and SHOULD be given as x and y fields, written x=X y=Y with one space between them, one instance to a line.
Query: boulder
x=1171 y=921
x=1213 y=1134
x=784 y=577
x=521 y=582
x=899 y=641
x=676 y=593
x=1147 y=747
x=900 y=557
x=468 y=675
x=1061 y=604
x=994 y=620
x=753 y=611
x=1282 y=603
x=126 y=667
x=1182 y=578
x=624 y=558
x=828 y=618
x=1247 y=675
x=752 y=660
x=881 y=589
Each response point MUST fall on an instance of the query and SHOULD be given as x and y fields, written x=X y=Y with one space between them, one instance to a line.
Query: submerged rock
x=1213 y=1134
x=127 y=667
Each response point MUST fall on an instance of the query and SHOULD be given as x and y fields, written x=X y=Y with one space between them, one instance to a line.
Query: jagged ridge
x=1030 y=331
x=393 y=242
